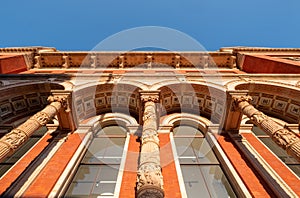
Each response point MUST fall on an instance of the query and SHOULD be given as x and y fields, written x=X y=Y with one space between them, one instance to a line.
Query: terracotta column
x=14 y=139
x=149 y=178
x=285 y=138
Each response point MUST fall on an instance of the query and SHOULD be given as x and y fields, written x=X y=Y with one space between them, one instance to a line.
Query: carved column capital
x=62 y=99
x=149 y=96
x=237 y=100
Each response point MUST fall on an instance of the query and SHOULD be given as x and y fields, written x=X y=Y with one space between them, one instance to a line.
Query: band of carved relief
x=149 y=177
x=283 y=137
x=16 y=137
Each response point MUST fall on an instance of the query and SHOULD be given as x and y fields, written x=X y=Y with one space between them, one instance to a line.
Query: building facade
x=150 y=123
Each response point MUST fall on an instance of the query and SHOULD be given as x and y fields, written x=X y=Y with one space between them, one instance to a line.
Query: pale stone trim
x=177 y=166
x=237 y=184
x=68 y=173
x=90 y=128
x=270 y=176
x=204 y=125
x=196 y=121
x=122 y=167
x=180 y=78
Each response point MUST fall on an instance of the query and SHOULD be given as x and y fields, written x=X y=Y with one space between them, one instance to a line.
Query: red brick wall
x=274 y=162
x=47 y=178
x=21 y=166
x=130 y=169
x=170 y=178
x=12 y=64
x=267 y=64
x=255 y=184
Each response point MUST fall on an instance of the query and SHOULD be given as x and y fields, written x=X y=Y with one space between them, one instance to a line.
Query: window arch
x=201 y=171
x=99 y=170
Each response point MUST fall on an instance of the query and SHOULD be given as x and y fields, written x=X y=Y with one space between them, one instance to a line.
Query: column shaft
x=14 y=139
x=149 y=180
x=283 y=137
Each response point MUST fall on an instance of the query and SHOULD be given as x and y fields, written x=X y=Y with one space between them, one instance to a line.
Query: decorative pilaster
x=14 y=139
x=283 y=137
x=149 y=178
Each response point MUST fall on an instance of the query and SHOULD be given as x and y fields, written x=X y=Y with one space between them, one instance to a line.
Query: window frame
x=87 y=143
x=209 y=138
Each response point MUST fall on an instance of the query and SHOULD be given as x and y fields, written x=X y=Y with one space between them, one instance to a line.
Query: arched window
x=291 y=162
x=98 y=171
x=201 y=171
x=6 y=164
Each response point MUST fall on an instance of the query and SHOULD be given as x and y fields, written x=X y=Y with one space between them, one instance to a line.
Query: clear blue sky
x=82 y=24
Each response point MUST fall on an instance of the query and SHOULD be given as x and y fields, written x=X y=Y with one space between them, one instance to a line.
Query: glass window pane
x=295 y=168
x=112 y=130
x=186 y=131
x=40 y=132
x=104 y=189
x=194 y=150
x=278 y=151
x=257 y=131
x=194 y=182
x=105 y=150
x=203 y=151
x=4 y=168
x=79 y=189
x=183 y=146
x=99 y=168
x=216 y=181
x=108 y=173
x=87 y=173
